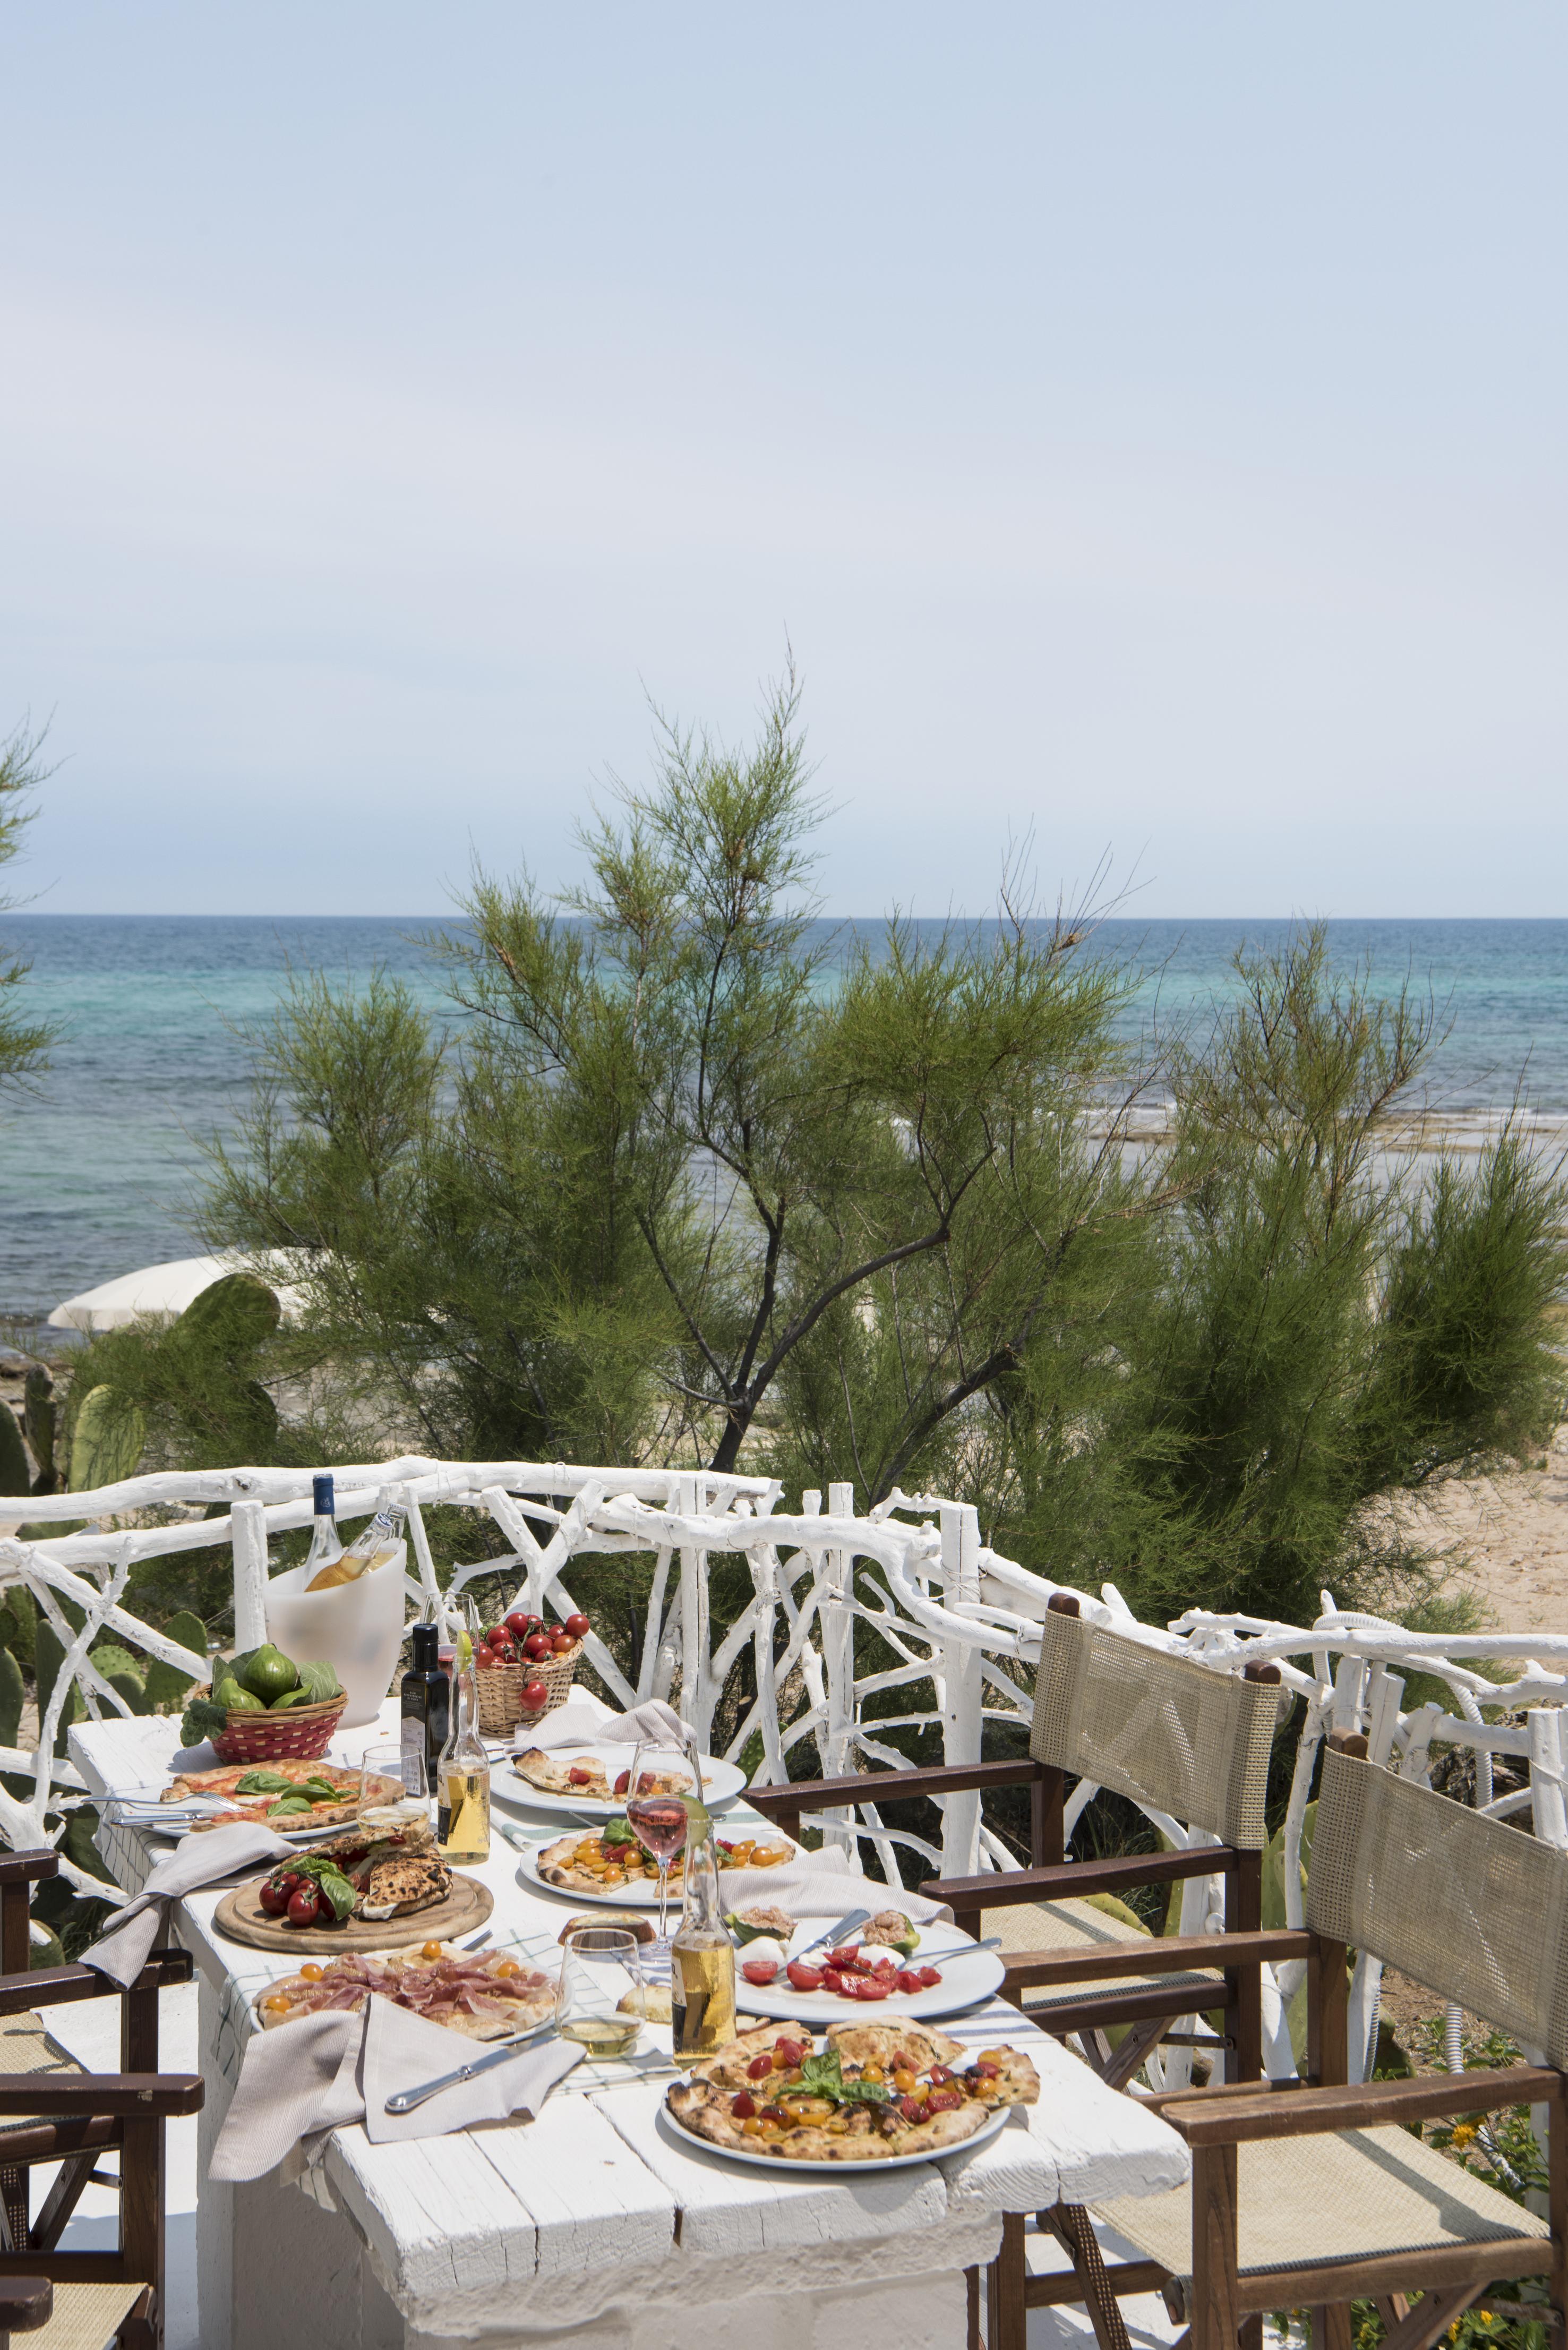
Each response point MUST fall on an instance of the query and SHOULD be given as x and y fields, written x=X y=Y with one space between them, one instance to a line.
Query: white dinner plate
x=969 y=1975
x=721 y=1782
x=151 y=1824
x=826 y=2171
x=644 y=1895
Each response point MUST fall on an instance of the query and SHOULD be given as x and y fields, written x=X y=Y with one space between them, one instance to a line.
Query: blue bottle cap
x=325 y=1506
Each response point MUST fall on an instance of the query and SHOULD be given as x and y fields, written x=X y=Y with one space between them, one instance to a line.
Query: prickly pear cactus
x=13 y=1697
x=123 y=1672
x=166 y=1684
x=106 y=1441
x=16 y=1475
x=232 y=1316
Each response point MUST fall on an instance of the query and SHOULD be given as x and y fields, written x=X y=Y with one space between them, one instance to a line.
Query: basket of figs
x=526 y=1668
x=264 y=1708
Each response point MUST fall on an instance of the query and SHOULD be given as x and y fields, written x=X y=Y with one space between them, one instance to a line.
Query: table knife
x=844 y=1925
x=406 y=2100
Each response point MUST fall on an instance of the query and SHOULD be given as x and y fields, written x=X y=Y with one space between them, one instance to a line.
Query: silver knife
x=406 y=2100
x=844 y=1925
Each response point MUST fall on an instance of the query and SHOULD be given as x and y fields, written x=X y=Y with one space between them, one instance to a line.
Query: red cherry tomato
x=561 y=1641
x=794 y=2052
x=273 y=1899
x=833 y=1981
x=303 y=1907
x=506 y=1654
x=902 y=2062
x=885 y=1966
x=536 y=1647
x=945 y=2101
x=578 y=1624
x=624 y=1782
x=987 y=2072
x=803 y=1977
x=535 y=1696
x=578 y=1777
x=940 y=2076
x=929 y=1977
x=906 y=1982
x=497 y=1636
x=759 y=2068
x=519 y=1625
x=912 y=2110
x=759 y=1970
x=871 y=1987
x=485 y=1658
x=743 y=2105
x=774 y=2114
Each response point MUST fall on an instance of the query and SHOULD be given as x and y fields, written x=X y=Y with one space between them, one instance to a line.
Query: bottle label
x=413 y=1751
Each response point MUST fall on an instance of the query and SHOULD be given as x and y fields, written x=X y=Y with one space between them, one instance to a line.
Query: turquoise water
x=98 y=1168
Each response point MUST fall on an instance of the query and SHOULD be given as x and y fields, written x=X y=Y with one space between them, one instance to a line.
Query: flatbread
x=556 y=1864
x=586 y=1778
x=226 y=1782
x=463 y=1990
x=852 y=2132
x=395 y=1873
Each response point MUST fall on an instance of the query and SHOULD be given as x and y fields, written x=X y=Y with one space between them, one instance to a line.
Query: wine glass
x=663 y=1773
x=600 y=2001
x=394 y=1787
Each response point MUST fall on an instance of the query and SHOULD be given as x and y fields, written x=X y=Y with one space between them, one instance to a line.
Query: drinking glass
x=600 y=2000
x=663 y=1773
x=406 y=1798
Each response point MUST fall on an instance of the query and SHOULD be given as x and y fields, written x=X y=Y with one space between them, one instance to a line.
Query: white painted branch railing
x=961 y=1623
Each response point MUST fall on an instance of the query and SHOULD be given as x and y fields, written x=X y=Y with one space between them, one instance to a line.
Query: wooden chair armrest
x=56 y=1986
x=1072 y=1879
x=125 y=2094
x=1315 y=2112
x=29 y=1867
x=796 y=1796
x=25 y=2303
x=1159 y=1955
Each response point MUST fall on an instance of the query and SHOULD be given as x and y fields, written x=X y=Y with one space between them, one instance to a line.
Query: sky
x=1144 y=422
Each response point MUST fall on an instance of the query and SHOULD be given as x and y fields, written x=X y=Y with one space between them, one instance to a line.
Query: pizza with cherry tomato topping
x=873 y=2092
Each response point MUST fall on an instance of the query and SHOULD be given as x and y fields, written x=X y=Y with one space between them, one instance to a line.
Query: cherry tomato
x=484 y=1659
x=792 y=2050
x=578 y=1777
x=912 y=2110
x=536 y=1647
x=624 y=1782
x=885 y=1966
x=940 y=2076
x=535 y=1696
x=848 y=1960
x=833 y=1981
x=872 y=1987
x=987 y=2072
x=576 y=1624
x=945 y=2101
x=506 y=1654
x=774 y=2114
x=303 y=1907
x=930 y=1976
x=518 y=1624
x=759 y=1970
x=759 y=2068
x=561 y=1642
x=743 y=2105
x=906 y=1982
x=903 y=2062
x=803 y=1977
x=498 y=1635
x=273 y=1899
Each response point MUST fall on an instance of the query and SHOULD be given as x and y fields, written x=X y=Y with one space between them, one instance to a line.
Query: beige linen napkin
x=576 y=1724
x=821 y=1884
x=302 y=2080
x=195 y=1861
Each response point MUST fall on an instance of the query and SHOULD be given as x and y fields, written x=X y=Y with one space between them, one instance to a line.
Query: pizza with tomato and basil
x=874 y=2091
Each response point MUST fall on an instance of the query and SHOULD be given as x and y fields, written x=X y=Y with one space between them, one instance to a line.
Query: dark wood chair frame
x=75 y=2119
x=1222 y=2309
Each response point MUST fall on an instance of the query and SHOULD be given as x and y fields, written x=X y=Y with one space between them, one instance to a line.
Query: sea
x=101 y=1164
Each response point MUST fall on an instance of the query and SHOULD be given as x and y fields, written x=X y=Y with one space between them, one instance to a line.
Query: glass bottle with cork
x=325 y=1548
x=424 y=1699
x=701 y=1955
x=462 y=1773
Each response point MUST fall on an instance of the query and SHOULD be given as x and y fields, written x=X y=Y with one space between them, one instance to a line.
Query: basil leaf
x=263 y=1782
x=293 y=1804
x=824 y=2077
x=338 y=1891
x=619 y=1832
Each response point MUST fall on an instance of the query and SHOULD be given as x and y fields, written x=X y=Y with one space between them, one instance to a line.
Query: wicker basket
x=501 y=1688
x=298 y=1734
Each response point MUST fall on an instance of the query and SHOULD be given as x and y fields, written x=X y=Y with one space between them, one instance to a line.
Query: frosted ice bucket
x=357 y=1629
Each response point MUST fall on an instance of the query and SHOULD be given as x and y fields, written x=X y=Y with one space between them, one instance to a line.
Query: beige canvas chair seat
x=1079 y=1926
x=1354 y=2196
x=86 y=2317
x=26 y=2047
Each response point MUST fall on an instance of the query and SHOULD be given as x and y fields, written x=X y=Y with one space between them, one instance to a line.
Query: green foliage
x=24 y=1044
x=166 y=1684
x=18 y=1623
x=15 y=1473
x=123 y=1672
x=13 y=1697
x=38 y=1423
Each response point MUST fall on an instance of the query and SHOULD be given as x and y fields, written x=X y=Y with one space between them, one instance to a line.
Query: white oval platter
x=969 y=1975
x=827 y=2171
x=721 y=1783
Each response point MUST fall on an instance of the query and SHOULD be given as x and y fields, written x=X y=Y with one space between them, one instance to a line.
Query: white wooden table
x=590 y=2223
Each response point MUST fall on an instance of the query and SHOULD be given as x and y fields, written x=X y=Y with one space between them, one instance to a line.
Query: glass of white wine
x=601 y=2002
x=394 y=1787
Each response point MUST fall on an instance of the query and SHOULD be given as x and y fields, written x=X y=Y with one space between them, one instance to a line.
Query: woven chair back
x=1474 y=1909
x=1173 y=1735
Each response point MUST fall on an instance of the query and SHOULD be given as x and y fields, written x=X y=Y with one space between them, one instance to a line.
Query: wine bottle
x=701 y=1957
x=325 y=1549
x=424 y=1700
x=375 y=1544
x=462 y=1798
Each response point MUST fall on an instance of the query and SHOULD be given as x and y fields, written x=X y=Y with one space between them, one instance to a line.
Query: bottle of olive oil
x=701 y=1955
x=463 y=1794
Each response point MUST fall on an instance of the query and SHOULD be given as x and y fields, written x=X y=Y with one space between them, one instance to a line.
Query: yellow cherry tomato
x=430 y=1951
x=872 y=2073
x=311 y=1973
x=275 y=2006
x=904 y=2079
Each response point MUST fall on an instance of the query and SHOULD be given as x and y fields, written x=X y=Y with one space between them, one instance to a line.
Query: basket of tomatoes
x=526 y=1668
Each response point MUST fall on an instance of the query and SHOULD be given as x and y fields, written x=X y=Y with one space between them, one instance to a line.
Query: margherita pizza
x=285 y=1794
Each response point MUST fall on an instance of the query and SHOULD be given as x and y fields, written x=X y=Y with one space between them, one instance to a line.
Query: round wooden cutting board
x=241 y=1915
